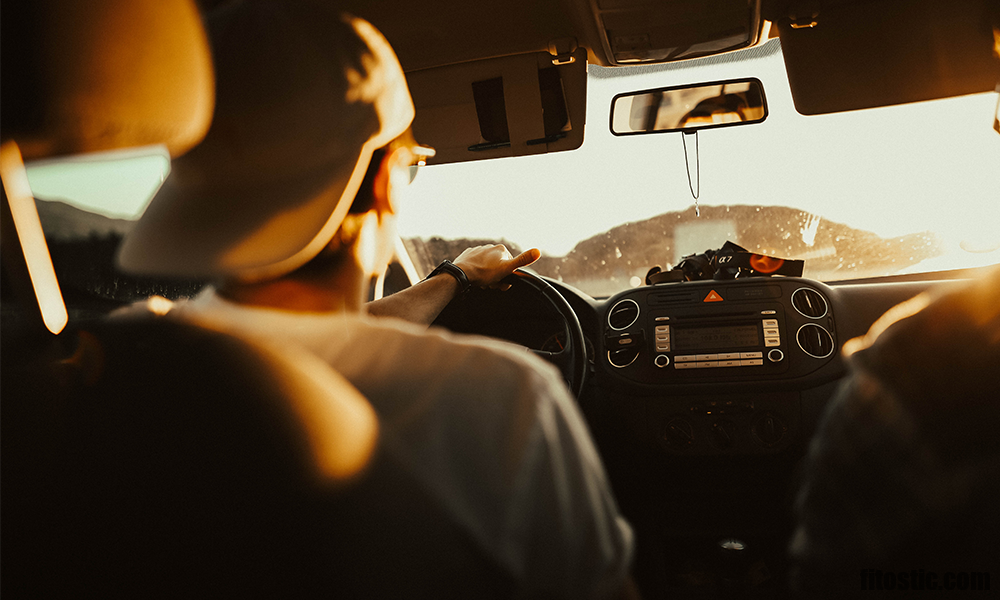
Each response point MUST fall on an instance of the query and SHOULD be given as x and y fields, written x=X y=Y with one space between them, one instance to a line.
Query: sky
x=924 y=166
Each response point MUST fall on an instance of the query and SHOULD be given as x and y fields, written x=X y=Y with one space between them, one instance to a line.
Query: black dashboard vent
x=809 y=302
x=623 y=314
x=672 y=297
x=815 y=341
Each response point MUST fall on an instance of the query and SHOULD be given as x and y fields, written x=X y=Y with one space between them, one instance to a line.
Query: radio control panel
x=715 y=331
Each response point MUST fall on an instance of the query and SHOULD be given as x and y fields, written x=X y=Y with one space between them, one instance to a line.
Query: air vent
x=815 y=341
x=809 y=302
x=674 y=297
x=623 y=314
x=622 y=358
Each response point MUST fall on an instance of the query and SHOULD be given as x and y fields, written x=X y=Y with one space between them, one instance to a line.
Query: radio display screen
x=715 y=338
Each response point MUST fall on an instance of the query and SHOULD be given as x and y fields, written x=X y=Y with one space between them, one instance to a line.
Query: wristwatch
x=455 y=271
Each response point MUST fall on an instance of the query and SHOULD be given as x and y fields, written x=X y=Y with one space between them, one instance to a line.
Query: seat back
x=155 y=457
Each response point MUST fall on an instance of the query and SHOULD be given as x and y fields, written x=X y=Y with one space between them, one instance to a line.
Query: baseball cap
x=304 y=95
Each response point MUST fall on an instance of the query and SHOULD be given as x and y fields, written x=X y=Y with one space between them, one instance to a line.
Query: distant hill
x=606 y=263
x=62 y=221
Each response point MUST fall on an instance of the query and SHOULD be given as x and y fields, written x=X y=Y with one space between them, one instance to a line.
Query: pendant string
x=697 y=158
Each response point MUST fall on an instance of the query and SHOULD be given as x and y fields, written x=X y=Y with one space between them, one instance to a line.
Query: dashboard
x=700 y=368
x=696 y=338
x=701 y=398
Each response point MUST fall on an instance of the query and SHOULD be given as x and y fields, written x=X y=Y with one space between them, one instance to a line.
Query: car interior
x=704 y=463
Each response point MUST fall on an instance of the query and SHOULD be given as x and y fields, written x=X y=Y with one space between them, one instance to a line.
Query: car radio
x=704 y=331
x=717 y=341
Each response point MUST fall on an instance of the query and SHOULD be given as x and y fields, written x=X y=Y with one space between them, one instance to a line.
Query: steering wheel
x=461 y=315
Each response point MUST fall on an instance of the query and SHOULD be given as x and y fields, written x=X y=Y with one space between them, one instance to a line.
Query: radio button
x=775 y=355
x=769 y=322
x=729 y=356
x=706 y=364
x=772 y=341
x=744 y=355
x=685 y=358
x=708 y=357
x=771 y=332
x=751 y=362
x=661 y=360
x=662 y=329
x=663 y=347
x=729 y=363
x=684 y=365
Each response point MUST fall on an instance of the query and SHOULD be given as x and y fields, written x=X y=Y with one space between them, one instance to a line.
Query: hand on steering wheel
x=486 y=266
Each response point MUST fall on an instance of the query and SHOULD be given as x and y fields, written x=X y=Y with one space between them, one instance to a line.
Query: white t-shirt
x=489 y=430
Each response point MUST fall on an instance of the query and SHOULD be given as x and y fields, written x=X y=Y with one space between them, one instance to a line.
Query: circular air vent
x=809 y=302
x=815 y=341
x=623 y=314
x=622 y=358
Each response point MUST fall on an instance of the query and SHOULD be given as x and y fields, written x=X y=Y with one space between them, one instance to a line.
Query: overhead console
x=719 y=331
x=646 y=31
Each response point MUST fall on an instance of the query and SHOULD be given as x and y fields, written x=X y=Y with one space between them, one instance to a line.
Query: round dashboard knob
x=661 y=360
x=775 y=355
x=678 y=433
x=768 y=429
x=724 y=433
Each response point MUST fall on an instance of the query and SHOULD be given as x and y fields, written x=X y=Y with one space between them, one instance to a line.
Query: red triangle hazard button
x=713 y=296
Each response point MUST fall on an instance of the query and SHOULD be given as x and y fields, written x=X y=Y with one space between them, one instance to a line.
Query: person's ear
x=366 y=242
x=392 y=174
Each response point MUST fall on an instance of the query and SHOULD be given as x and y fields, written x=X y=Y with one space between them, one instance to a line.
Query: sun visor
x=851 y=55
x=511 y=106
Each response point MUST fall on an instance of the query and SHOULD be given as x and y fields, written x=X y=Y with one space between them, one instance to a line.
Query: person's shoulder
x=936 y=346
x=484 y=354
x=435 y=337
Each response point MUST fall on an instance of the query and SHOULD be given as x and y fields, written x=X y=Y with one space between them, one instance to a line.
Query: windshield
x=866 y=193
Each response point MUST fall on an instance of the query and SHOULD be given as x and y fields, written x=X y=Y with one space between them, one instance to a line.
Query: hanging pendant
x=696 y=186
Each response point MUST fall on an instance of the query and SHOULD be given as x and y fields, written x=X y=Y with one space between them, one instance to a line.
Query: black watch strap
x=455 y=271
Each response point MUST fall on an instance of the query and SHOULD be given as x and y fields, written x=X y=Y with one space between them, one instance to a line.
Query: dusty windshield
x=866 y=193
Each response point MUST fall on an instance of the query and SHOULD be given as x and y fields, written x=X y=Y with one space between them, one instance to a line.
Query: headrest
x=89 y=75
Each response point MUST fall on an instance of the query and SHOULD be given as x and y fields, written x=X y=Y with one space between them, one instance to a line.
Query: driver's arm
x=485 y=266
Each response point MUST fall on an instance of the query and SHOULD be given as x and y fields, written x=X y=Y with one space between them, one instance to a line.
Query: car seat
x=144 y=456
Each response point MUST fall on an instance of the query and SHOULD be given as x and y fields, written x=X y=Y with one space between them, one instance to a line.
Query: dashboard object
x=710 y=331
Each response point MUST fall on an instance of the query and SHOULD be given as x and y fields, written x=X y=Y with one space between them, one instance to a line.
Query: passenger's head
x=305 y=98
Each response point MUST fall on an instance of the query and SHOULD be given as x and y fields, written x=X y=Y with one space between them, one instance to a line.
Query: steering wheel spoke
x=571 y=360
x=561 y=359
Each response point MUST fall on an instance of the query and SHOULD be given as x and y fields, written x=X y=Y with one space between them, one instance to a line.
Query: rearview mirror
x=689 y=107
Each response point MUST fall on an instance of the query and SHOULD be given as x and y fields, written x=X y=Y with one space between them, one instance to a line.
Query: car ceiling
x=445 y=32
x=910 y=37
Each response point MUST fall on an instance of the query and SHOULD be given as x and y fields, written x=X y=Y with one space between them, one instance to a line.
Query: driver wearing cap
x=288 y=206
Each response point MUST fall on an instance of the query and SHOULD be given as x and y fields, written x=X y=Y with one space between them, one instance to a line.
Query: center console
x=703 y=354
x=718 y=331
